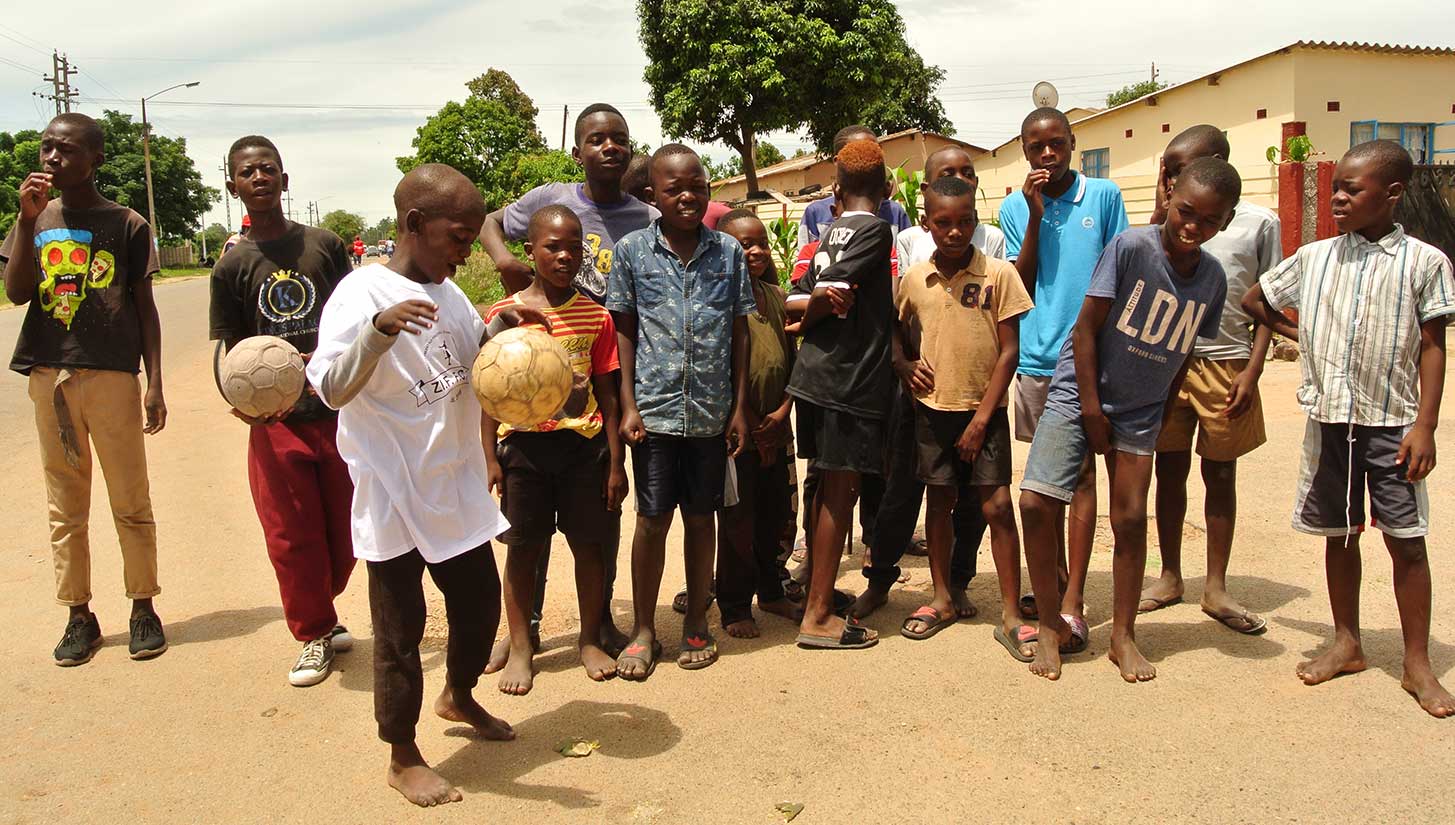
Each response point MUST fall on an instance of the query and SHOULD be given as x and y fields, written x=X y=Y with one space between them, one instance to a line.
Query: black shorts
x=673 y=471
x=555 y=481
x=835 y=440
x=1339 y=463
x=937 y=462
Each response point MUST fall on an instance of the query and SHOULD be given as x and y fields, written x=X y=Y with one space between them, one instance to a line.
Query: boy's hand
x=493 y=474
x=1243 y=394
x=970 y=442
x=575 y=404
x=772 y=431
x=513 y=266
x=633 y=431
x=518 y=316
x=262 y=420
x=1098 y=431
x=616 y=486
x=793 y=328
x=1035 y=182
x=156 y=410
x=841 y=300
x=35 y=194
x=1417 y=452
x=410 y=316
x=918 y=375
x=738 y=433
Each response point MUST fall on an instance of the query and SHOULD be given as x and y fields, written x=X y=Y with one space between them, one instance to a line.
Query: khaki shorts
x=1030 y=403
x=1198 y=409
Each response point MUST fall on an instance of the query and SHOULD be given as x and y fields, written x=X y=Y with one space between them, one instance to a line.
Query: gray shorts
x=1030 y=404
x=1339 y=463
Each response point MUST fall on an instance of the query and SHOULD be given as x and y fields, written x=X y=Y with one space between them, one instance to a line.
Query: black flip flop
x=698 y=642
x=679 y=601
x=1027 y=605
x=1080 y=635
x=1012 y=646
x=930 y=616
x=843 y=600
x=854 y=637
x=633 y=651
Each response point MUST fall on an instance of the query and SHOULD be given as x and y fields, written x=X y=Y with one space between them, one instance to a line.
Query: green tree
x=19 y=156
x=484 y=137
x=533 y=170
x=1127 y=94
x=725 y=71
x=345 y=224
x=764 y=154
x=908 y=101
x=216 y=235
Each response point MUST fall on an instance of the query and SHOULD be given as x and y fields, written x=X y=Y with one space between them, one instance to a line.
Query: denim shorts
x=1057 y=453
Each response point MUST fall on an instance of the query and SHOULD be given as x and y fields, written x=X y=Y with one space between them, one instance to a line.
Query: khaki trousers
x=105 y=409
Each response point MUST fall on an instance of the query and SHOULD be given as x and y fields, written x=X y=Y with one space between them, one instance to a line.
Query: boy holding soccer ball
x=409 y=428
x=275 y=281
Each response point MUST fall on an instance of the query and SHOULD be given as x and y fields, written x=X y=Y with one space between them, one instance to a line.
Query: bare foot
x=1341 y=657
x=1047 y=663
x=1166 y=590
x=518 y=676
x=459 y=706
x=599 y=664
x=1234 y=616
x=783 y=607
x=965 y=608
x=869 y=601
x=1133 y=665
x=416 y=780
x=500 y=653
x=745 y=629
x=1432 y=696
x=613 y=639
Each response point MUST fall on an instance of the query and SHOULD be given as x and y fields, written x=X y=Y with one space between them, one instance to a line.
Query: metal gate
x=1427 y=210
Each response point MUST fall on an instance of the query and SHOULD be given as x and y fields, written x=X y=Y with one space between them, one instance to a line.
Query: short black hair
x=668 y=150
x=1215 y=174
x=842 y=136
x=1203 y=136
x=950 y=187
x=252 y=142
x=1391 y=160
x=90 y=130
x=944 y=150
x=595 y=109
x=1045 y=113
x=861 y=168
x=638 y=175
x=733 y=216
x=549 y=214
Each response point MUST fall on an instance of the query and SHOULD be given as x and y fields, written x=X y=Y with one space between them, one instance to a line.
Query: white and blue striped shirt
x=1361 y=304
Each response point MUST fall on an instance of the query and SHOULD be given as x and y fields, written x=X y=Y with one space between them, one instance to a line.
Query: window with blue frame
x=1096 y=163
x=1417 y=138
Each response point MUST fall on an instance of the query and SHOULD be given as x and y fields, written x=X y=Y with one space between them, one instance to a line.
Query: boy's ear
x=529 y=248
x=650 y=193
x=1073 y=140
x=285 y=182
x=231 y=187
x=1229 y=222
x=1395 y=192
x=413 y=221
x=576 y=154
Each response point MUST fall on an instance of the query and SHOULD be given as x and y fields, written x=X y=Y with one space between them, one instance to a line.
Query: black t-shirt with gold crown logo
x=279 y=287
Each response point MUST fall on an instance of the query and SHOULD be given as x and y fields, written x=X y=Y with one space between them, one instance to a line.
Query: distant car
x=371 y=251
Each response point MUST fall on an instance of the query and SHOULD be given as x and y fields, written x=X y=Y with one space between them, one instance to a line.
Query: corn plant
x=906 y=190
x=783 y=236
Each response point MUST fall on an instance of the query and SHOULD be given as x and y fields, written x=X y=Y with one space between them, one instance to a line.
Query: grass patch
x=480 y=280
x=182 y=272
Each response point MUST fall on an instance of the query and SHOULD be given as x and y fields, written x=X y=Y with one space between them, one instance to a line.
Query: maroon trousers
x=303 y=494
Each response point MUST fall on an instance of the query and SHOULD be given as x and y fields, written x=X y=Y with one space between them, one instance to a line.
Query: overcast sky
x=341 y=86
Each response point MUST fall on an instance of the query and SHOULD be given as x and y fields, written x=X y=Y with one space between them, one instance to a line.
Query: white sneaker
x=342 y=639
x=313 y=663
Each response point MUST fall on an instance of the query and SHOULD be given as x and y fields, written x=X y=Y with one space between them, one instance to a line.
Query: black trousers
x=471 y=587
x=748 y=536
x=871 y=494
x=899 y=511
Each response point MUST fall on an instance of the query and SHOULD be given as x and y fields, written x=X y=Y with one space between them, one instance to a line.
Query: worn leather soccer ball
x=522 y=377
x=262 y=376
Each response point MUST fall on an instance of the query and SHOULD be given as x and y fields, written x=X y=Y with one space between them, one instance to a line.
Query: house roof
x=1322 y=45
x=808 y=160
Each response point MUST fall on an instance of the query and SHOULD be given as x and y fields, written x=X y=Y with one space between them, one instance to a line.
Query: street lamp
x=146 y=148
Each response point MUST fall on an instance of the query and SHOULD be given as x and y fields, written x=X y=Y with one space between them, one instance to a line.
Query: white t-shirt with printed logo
x=411 y=437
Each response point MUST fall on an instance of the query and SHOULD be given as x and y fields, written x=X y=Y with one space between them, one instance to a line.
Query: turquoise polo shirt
x=1074 y=230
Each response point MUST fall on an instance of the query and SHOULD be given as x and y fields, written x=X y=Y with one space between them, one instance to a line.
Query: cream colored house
x=791 y=176
x=1338 y=94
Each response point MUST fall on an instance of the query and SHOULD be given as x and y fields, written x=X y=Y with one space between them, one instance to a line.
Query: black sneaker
x=313 y=663
x=79 y=643
x=341 y=639
x=147 y=639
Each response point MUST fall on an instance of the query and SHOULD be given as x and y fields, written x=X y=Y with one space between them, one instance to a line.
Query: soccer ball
x=522 y=377
x=262 y=376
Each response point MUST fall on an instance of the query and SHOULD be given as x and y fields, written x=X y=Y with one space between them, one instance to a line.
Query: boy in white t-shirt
x=409 y=429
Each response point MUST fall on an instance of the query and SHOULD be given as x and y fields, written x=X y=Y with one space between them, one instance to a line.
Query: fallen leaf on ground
x=577 y=748
x=789 y=810
x=270 y=712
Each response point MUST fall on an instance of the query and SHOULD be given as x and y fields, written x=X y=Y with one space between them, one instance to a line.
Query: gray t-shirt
x=1156 y=316
x=1249 y=247
x=602 y=225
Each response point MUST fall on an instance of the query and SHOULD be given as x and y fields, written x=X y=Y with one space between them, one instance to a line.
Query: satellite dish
x=1044 y=94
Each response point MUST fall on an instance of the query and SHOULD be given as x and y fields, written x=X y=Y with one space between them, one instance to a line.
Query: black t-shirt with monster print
x=279 y=287
x=83 y=315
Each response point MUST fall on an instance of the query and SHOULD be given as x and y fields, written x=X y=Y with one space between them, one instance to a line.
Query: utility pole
x=1154 y=72
x=60 y=80
x=226 y=201
x=564 y=107
x=289 y=197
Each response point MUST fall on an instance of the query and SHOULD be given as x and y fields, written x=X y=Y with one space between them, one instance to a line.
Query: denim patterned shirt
x=685 y=320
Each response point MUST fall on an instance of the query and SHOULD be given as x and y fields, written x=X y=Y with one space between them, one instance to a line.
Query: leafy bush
x=480 y=279
x=783 y=237
x=906 y=190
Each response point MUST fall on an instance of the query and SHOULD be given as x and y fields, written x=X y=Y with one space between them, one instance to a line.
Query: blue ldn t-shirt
x=1156 y=316
x=1075 y=228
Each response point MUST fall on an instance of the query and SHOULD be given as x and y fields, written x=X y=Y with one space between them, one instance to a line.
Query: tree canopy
x=729 y=70
x=486 y=137
x=343 y=223
x=1127 y=94
x=181 y=197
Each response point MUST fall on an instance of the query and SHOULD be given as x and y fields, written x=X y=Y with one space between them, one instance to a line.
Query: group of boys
x=1112 y=341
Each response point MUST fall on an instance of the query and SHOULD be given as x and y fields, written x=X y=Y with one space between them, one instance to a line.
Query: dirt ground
x=212 y=732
